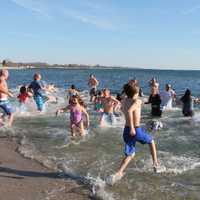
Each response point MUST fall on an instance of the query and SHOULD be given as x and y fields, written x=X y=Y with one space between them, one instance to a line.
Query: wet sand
x=24 y=179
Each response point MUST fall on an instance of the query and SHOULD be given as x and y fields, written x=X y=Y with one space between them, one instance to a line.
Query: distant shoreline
x=67 y=68
x=99 y=67
x=85 y=67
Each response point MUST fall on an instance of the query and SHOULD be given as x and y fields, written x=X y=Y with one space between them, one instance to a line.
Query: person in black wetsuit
x=155 y=101
x=187 y=101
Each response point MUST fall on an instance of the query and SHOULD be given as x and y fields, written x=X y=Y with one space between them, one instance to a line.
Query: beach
x=99 y=100
x=25 y=179
x=39 y=144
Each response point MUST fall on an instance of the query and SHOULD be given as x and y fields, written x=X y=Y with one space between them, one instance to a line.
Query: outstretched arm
x=149 y=100
x=61 y=110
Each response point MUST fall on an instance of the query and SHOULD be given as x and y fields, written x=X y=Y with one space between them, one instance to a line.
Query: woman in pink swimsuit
x=76 y=108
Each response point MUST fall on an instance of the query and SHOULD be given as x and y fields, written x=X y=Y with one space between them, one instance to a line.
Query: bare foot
x=158 y=168
x=112 y=179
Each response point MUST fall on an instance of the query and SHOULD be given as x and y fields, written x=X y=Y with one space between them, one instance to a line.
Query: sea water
x=93 y=158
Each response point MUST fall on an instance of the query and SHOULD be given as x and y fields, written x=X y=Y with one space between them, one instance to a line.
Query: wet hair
x=4 y=63
x=23 y=89
x=105 y=89
x=188 y=92
x=36 y=76
x=99 y=93
x=73 y=87
x=133 y=82
x=168 y=86
x=118 y=97
x=131 y=90
x=80 y=100
x=187 y=96
x=3 y=72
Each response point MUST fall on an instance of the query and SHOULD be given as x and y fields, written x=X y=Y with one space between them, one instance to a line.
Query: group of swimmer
x=129 y=102
x=37 y=89
x=161 y=101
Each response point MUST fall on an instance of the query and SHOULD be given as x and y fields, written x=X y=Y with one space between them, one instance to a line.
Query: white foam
x=112 y=179
x=98 y=188
x=28 y=150
x=171 y=164
x=63 y=167
x=116 y=123
x=196 y=117
x=30 y=109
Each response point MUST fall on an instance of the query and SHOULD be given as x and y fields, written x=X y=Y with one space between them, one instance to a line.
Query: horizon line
x=188 y=68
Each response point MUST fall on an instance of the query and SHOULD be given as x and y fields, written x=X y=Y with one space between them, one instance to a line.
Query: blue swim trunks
x=39 y=100
x=130 y=141
x=6 y=106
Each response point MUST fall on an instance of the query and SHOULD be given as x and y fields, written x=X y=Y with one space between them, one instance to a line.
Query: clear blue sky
x=135 y=33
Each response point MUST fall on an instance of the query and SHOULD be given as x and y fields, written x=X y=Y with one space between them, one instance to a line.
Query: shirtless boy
x=109 y=103
x=131 y=107
x=4 y=94
x=93 y=83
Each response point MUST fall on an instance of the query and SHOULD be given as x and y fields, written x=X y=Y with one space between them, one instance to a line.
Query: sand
x=25 y=179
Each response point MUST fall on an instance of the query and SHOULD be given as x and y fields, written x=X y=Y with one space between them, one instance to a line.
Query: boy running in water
x=131 y=107
x=4 y=95
x=108 y=103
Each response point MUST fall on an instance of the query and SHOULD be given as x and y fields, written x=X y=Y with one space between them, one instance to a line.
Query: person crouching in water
x=187 y=101
x=131 y=107
x=77 y=110
x=109 y=103
x=155 y=101
x=24 y=95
